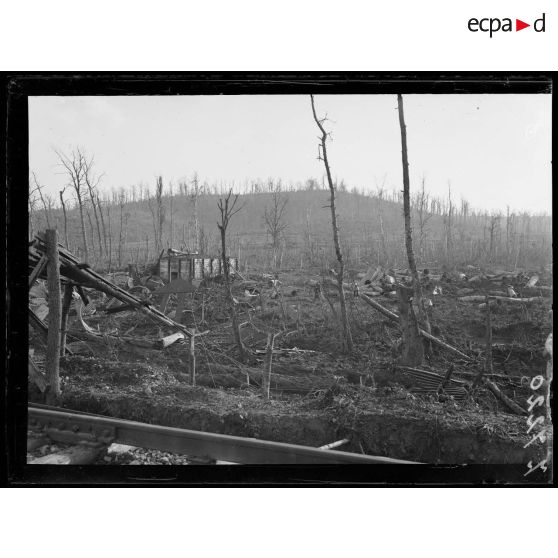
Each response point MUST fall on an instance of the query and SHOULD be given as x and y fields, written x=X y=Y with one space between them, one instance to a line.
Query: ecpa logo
x=494 y=24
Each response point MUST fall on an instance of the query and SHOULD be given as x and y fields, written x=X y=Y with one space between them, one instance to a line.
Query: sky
x=494 y=150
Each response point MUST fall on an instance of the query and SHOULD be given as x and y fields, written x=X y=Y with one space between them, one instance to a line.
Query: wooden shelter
x=184 y=265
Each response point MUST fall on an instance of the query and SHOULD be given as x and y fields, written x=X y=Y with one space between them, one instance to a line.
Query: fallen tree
x=482 y=298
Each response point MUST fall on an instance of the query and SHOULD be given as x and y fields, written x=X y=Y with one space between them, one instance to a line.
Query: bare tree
x=228 y=208
x=448 y=223
x=322 y=155
x=274 y=219
x=422 y=315
x=423 y=218
x=75 y=165
x=157 y=210
x=123 y=233
x=92 y=182
x=47 y=203
x=171 y=212
x=494 y=227
x=103 y=224
x=194 y=196
x=63 y=205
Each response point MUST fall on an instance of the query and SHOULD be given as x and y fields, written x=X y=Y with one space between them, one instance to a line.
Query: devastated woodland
x=394 y=323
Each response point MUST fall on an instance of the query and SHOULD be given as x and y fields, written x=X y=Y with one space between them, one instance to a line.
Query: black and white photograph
x=252 y=278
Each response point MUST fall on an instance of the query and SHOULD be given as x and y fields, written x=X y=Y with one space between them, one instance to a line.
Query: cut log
x=169 y=340
x=533 y=281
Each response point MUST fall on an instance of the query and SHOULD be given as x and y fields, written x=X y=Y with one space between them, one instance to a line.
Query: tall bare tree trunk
x=62 y=203
x=105 y=241
x=227 y=210
x=422 y=315
x=347 y=336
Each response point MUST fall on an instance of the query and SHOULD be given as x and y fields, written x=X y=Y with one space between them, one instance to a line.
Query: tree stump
x=412 y=347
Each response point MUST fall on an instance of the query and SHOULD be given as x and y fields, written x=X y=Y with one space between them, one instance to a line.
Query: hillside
x=371 y=230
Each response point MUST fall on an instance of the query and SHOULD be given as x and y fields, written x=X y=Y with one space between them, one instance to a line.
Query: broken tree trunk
x=512 y=405
x=417 y=288
x=346 y=328
x=412 y=349
x=54 y=317
x=394 y=317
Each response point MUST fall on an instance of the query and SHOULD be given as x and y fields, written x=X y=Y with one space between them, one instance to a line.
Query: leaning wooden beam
x=36 y=376
x=38 y=324
x=37 y=270
x=394 y=317
x=54 y=317
x=82 y=274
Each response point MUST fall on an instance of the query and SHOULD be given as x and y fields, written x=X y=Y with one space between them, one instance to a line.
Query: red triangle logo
x=519 y=25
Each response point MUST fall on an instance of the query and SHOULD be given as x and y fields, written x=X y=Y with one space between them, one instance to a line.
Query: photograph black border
x=16 y=89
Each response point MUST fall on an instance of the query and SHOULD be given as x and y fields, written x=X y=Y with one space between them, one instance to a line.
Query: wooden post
x=488 y=364
x=54 y=317
x=192 y=358
x=67 y=302
x=266 y=376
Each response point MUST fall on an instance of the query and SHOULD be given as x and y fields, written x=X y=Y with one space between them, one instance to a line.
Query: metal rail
x=64 y=426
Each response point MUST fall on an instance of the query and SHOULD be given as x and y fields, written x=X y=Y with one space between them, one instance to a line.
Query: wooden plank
x=37 y=270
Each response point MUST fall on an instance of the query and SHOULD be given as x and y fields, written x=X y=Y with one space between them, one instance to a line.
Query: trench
x=381 y=432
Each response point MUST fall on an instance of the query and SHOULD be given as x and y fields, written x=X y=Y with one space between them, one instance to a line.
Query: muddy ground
x=318 y=394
